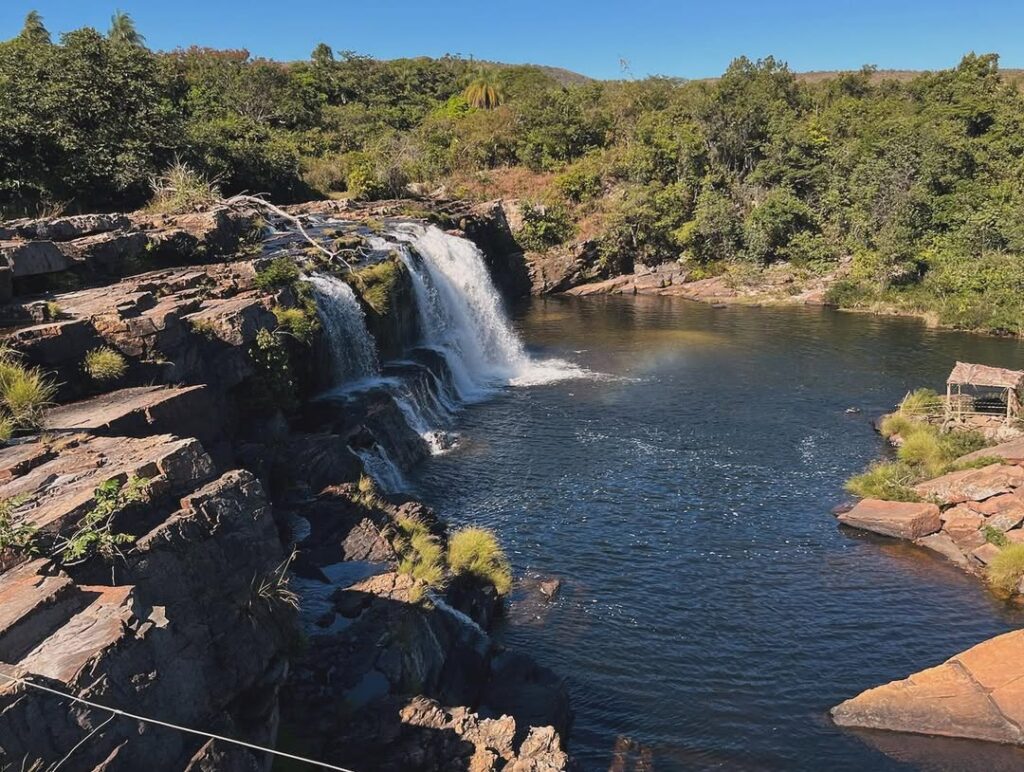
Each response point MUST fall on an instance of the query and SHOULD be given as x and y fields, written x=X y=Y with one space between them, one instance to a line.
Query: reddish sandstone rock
x=1016 y=536
x=972 y=484
x=985 y=553
x=977 y=694
x=1012 y=452
x=941 y=542
x=902 y=519
x=1002 y=512
x=964 y=527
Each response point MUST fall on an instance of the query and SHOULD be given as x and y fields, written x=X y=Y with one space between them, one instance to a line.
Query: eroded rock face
x=977 y=694
x=902 y=519
x=972 y=484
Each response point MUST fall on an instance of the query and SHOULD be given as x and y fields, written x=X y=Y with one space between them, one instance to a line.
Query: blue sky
x=687 y=39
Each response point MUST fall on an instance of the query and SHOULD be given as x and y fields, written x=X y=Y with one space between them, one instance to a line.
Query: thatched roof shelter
x=983 y=376
x=966 y=374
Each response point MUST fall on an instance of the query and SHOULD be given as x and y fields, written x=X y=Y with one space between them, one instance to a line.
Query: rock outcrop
x=977 y=694
x=904 y=520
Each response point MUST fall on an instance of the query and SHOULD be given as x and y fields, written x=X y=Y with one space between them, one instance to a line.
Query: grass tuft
x=25 y=393
x=476 y=551
x=885 y=480
x=1007 y=568
x=420 y=554
x=105 y=365
x=182 y=189
x=376 y=283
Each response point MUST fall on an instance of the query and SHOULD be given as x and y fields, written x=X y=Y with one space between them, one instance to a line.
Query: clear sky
x=688 y=38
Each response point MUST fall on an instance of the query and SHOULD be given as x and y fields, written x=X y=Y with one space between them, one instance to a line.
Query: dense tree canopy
x=915 y=184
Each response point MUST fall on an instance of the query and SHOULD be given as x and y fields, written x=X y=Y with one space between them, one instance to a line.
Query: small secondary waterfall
x=353 y=351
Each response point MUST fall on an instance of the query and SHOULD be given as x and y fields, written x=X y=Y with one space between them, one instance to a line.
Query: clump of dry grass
x=476 y=551
x=182 y=189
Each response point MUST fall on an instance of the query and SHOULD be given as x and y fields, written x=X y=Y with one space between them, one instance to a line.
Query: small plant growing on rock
x=105 y=365
x=476 y=551
x=274 y=590
x=15 y=537
x=1007 y=568
x=273 y=385
x=182 y=189
x=885 y=480
x=52 y=310
x=281 y=272
x=367 y=494
x=25 y=393
x=994 y=536
x=296 y=322
x=95 y=534
x=376 y=283
x=420 y=554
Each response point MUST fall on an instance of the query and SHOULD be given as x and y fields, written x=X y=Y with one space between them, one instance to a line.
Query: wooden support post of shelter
x=1010 y=382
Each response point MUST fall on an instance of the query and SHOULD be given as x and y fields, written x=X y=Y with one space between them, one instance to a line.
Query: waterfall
x=462 y=315
x=353 y=352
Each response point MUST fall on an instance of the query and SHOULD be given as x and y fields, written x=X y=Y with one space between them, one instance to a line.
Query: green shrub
x=25 y=393
x=280 y=272
x=1006 y=569
x=94 y=534
x=181 y=189
x=898 y=424
x=420 y=554
x=376 y=283
x=994 y=536
x=105 y=365
x=544 y=226
x=476 y=551
x=922 y=402
x=885 y=480
x=367 y=494
x=297 y=322
x=925 y=452
x=273 y=385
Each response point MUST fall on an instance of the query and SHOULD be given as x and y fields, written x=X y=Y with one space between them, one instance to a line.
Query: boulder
x=984 y=553
x=32 y=258
x=75 y=226
x=963 y=526
x=972 y=484
x=901 y=519
x=1002 y=512
x=977 y=694
x=107 y=251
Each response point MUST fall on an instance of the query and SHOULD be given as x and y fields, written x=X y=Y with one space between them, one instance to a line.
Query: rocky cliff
x=255 y=586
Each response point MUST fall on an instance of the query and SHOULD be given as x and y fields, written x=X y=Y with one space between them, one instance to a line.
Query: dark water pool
x=712 y=610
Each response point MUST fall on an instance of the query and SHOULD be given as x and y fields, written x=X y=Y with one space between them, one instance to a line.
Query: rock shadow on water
x=941 y=754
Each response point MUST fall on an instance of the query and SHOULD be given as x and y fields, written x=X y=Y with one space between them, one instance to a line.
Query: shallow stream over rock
x=711 y=611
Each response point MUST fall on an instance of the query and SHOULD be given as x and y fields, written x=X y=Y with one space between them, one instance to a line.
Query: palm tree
x=33 y=30
x=484 y=92
x=122 y=30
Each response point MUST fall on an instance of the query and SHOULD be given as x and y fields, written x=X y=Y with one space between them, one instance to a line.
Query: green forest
x=913 y=184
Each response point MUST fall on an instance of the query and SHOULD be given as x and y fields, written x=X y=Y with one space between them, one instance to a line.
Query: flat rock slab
x=977 y=694
x=972 y=484
x=31 y=258
x=901 y=519
x=1012 y=452
x=138 y=412
x=61 y=489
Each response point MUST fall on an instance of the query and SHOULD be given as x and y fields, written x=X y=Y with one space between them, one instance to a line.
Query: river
x=712 y=611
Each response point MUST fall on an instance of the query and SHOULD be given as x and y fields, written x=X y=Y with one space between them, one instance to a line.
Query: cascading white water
x=462 y=316
x=353 y=351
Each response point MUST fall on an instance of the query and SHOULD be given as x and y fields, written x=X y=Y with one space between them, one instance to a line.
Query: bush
x=94 y=534
x=921 y=402
x=1007 y=568
x=105 y=365
x=420 y=554
x=182 y=189
x=25 y=393
x=273 y=385
x=544 y=226
x=15 y=537
x=475 y=551
x=297 y=322
x=281 y=272
x=994 y=536
x=885 y=480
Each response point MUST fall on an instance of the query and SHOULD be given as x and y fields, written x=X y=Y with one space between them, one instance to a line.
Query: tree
x=484 y=92
x=33 y=30
x=122 y=30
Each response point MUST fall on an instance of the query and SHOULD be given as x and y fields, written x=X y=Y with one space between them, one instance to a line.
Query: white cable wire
x=144 y=719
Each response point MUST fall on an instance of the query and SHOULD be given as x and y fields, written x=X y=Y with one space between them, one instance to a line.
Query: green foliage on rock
x=376 y=283
x=543 y=226
x=94 y=534
x=279 y=273
x=891 y=481
x=16 y=536
x=420 y=553
x=272 y=387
